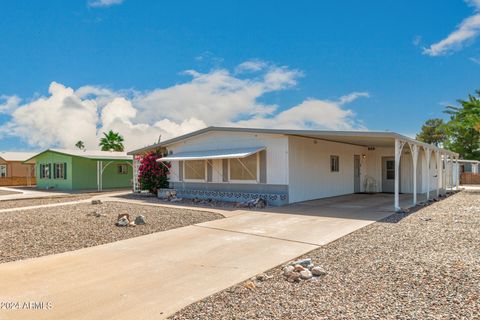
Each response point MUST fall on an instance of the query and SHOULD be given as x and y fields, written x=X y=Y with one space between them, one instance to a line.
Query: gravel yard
x=19 y=203
x=422 y=265
x=33 y=233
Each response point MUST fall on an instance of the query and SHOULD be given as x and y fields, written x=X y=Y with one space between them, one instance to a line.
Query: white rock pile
x=303 y=269
x=123 y=220
x=171 y=196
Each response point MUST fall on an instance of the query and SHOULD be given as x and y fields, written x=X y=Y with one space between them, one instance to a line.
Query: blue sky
x=71 y=69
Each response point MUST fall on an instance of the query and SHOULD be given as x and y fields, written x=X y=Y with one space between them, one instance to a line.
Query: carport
x=412 y=171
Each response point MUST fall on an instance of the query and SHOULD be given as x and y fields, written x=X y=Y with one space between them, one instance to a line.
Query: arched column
x=428 y=154
x=398 y=153
x=439 y=171
x=414 y=149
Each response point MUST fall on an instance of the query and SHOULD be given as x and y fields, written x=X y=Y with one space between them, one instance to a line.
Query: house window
x=59 y=171
x=244 y=169
x=3 y=171
x=334 y=164
x=45 y=171
x=194 y=169
x=122 y=169
x=390 y=169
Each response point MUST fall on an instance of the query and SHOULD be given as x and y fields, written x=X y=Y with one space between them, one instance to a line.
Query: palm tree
x=80 y=145
x=112 y=141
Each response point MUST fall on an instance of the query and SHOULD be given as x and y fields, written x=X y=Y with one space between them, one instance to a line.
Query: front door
x=356 y=173
x=388 y=174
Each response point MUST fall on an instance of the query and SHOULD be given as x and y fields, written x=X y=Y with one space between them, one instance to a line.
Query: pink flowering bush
x=151 y=174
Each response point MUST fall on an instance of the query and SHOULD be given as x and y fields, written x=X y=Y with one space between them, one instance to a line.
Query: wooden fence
x=470 y=178
x=17 y=181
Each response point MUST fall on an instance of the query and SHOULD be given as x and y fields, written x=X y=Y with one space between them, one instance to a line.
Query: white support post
x=398 y=152
x=445 y=180
x=134 y=174
x=428 y=154
x=101 y=176
x=450 y=173
x=457 y=174
x=414 y=149
x=439 y=172
x=98 y=175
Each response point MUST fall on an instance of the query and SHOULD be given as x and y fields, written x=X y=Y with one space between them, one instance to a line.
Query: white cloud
x=103 y=3
x=311 y=114
x=475 y=60
x=10 y=103
x=60 y=119
x=251 y=66
x=214 y=98
x=464 y=34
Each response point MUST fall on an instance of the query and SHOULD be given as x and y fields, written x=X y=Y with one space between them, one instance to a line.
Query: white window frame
x=121 y=171
x=194 y=180
x=257 y=180
x=55 y=166
x=333 y=156
x=3 y=169
x=42 y=167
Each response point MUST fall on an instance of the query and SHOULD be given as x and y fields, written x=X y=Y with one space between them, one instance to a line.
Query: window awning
x=212 y=154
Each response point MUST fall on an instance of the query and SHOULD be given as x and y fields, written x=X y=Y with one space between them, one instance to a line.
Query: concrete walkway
x=153 y=276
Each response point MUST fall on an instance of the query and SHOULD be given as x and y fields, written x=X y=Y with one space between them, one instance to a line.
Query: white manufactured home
x=288 y=166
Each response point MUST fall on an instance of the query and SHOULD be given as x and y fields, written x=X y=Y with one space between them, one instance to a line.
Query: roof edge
x=284 y=132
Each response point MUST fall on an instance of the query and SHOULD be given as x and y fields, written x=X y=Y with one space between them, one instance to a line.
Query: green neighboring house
x=65 y=169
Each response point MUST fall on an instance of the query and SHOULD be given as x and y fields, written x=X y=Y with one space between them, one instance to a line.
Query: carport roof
x=88 y=154
x=360 y=138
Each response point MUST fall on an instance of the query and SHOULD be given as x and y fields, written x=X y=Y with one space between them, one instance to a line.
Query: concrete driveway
x=151 y=277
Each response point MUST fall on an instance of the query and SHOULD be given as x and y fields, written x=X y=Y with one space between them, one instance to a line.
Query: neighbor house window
x=45 y=171
x=3 y=171
x=59 y=171
x=244 y=169
x=334 y=164
x=194 y=169
x=122 y=169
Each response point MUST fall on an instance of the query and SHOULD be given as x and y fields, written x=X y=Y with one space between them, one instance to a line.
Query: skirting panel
x=272 y=199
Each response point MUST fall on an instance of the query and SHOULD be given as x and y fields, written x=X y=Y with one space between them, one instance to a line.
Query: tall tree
x=111 y=141
x=433 y=132
x=463 y=129
x=80 y=145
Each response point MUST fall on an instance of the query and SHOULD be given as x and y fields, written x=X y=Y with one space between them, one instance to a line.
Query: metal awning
x=213 y=154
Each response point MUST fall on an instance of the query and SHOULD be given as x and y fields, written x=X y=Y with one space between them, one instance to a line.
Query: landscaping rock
x=139 y=220
x=318 y=271
x=305 y=274
x=250 y=285
x=293 y=277
x=262 y=277
x=299 y=268
x=122 y=222
x=96 y=201
x=288 y=269
x=304 y=262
